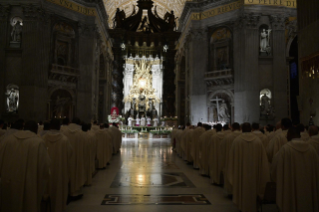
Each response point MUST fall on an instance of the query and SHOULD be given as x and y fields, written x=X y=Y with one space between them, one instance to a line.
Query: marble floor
x=148 y=176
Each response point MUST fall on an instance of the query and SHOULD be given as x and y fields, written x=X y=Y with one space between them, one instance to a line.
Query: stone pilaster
x=4 y=24
x=280 y=95
x=87 y=40
x=198 y=65
x=246 y=74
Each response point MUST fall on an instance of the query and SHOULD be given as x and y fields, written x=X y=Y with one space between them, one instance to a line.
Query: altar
x=143 y=87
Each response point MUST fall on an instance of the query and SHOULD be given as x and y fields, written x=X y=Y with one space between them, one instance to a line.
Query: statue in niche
x=59 y=106
x=223 y=114
x=265 y=103
x=119 y=18
x=265 y=41
x=170 y=19
x=16 y=32
x=12 y=98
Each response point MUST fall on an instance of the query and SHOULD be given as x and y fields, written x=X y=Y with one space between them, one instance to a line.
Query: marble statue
x=223 y=113
x=119 y=18
x=265 y=41
x=16 y=32
x=170 y=19
x=265 y=103
x=12 y=100
x=59 y=106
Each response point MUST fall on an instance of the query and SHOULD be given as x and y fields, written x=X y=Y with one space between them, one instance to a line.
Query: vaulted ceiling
x=163 y=6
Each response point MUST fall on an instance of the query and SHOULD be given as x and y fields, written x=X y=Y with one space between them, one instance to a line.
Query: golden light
x=142 y=83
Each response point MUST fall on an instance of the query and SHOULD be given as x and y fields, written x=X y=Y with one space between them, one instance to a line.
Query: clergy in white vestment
x=117 y=138
x=277 y=131
x=103 y=142
x=91 y=133
x=226 y=129
x=137 y=121
x=214 y=163
x=248 y=170
x=195 y=144
x=130 y=120
x=256 y=131
x=278 y=140
x=224 y=149
x=188 y=144
x=143 y=121
x=296 y=173
x=24 y=170
x=204 y=151
x=95 y=126
x=78 y=142
x=155 y=122
x=87 y=154
x=45 y=129
x=303 y=132
x=16 y=126
x=163 y=122
x=60 y=152
x=314 y=138
x=148 y=121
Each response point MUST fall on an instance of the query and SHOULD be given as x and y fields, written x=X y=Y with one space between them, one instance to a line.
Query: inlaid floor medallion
x=146 y=180
x=162 y=199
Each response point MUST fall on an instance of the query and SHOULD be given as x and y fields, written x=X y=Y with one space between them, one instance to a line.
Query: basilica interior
x=151 y=68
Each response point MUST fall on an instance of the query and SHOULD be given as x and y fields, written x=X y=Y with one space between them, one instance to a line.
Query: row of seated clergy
x=238 y=159
x=69 y=155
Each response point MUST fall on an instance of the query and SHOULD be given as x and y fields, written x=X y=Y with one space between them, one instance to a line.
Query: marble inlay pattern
x=147 y=180
x=147 y=166
x=163 y=199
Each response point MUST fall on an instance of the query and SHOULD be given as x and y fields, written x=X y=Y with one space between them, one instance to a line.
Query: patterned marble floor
x=148 y=176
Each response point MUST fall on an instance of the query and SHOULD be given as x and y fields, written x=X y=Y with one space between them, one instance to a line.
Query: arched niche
x=265 y=40
x=265 y=102
x=61 y=104
x=12 y=98
x=220 y=49
x=221 y=106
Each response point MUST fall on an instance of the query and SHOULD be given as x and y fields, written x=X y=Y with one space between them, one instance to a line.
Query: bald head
x=313 y=130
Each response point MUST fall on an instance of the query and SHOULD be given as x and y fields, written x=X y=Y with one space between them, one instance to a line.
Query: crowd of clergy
x=280 y=162
x=43 y=167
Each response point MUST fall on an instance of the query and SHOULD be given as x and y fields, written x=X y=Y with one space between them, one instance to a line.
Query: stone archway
x=220 y=96
x=61 y=104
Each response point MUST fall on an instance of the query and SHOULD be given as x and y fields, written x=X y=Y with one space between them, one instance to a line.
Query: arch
x=226 y=92
x=61 y=104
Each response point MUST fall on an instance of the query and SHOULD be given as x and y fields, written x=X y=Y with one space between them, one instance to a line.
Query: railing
x=65 y=70
x=218 y=74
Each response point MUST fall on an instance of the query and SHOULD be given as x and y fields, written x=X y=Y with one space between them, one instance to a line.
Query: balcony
x=219 y=77
x=63 y=74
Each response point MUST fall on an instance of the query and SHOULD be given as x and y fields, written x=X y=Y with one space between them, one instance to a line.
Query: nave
x=147 y=167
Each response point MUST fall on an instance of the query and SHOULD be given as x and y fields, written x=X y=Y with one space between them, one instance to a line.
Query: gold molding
x=89 y=11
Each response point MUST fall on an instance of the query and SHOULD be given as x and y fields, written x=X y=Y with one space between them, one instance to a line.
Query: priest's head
x=31 y=126
x=246 y=127
x=255 y=127
x=313 y=131
x=218 y=127
x=235 y=126
x=18 y=125
x=55 y=124
x=286 y=124
x=301 y=127
x=293 y=133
